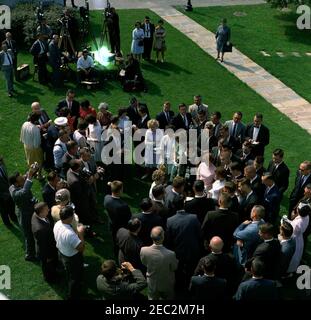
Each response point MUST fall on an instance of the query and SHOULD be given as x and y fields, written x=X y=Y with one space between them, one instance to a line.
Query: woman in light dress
x=137 y=47
x=299 y=224
x=222 y=38
x=206 y=171
x=159 y=41
x=220 y=176
x=153 y=138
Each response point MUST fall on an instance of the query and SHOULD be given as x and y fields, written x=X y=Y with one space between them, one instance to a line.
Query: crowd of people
x=208 y=229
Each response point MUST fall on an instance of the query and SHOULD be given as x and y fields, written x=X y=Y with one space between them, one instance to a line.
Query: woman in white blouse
x=206 y=171
x=299 y=224
x=220 y=175
x=93 y=135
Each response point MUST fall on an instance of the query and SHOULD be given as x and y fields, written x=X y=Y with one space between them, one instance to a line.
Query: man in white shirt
x=6 y=66
x=85 y=66
x=71 y=246
x=60 y=148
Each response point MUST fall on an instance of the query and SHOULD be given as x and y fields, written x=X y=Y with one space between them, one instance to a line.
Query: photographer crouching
x=71 y=246
x=120 y=284
x=20 y=190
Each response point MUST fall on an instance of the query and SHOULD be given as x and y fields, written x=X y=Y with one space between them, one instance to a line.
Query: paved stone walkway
x=270 y=88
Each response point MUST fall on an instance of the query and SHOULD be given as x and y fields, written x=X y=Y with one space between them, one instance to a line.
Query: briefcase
x=22 y=72
x=228 y=48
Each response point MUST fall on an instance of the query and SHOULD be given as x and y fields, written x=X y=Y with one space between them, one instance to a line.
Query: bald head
x=257 y=213
x=157 y=235
x=216 y=244
x=8 y=36
x=35 y=107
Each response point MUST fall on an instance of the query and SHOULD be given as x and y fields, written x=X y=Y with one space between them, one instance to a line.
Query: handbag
x=140 y=43
x=228 y=47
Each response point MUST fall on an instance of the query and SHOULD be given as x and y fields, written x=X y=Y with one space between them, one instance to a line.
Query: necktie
x=185 y=121
x=9 y=58
x=69 y=105
x=167 y=117
x=234 y=130
x=302 y=180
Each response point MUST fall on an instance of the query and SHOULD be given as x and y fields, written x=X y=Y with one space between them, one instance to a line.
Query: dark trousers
x=114 y=43
x=82 y=76
x=49 y=268
x=42 y=70
x=74 y=269
x=57 y=80
x=7 y=210
x=24 y=220
x=147 y=48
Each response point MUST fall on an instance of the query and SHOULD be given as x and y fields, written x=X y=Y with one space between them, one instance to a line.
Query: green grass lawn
x=268 y=29
x=188 y=71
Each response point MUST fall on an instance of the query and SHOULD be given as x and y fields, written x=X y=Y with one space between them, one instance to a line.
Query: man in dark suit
x=279 y=170
x=258 y=134
x=269 y=251
x=208 y=287
x=39 y=50
x=246 y=153
x=114 y=31
x=148 y=28
x=6 y=66
x=130 y=244
x=144 y=116
x=55 y=61
x=200 y=204
x=215 y=118
x=303 y=178
x=288 y=246
x=255 y=181
x=165 y=117
x=49 y=190
x=119 y=212
x=7 y=206
x=258 y=287
x=183 y=119
x=221 y=222
x=226 y=266
x=228 y=140
x=79 y=190
x=20 y=190
x=149 y=219
x=132 y=111
x=11 y=44
x=70 y=103
x=44 y=236
x=173 y=192
x=272 y=198
x=236 y=129
x=158 y=193
x=72 y=153
x=248 y=199
x=183 y=237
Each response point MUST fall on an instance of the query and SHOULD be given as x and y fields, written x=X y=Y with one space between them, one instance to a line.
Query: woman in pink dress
x=206 y=171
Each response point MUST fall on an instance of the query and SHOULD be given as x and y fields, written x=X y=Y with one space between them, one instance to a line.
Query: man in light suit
x=288 y=246
x=246 y=235
x=258 y=134
x=20 y=190
x=236 y=129
x=272 y=198
x=7 y=206
x=303 y=178
x=11 y=44
x=165 y=117
x=7 y=67
x=161 y=264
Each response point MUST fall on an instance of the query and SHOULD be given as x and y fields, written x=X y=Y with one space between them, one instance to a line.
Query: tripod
x=104 y=33
x=66 y=39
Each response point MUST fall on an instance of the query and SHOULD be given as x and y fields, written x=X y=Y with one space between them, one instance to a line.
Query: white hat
x=103 y=105
x=61 y=121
